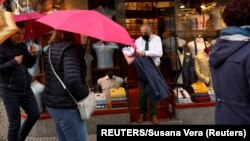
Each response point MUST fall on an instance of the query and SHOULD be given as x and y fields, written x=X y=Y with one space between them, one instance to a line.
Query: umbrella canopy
x=2 y=1
x=89 y=23
x=7 y=26
x=32 y=27
x=27 y=16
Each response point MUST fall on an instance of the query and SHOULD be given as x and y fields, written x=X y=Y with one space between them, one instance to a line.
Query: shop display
x=182 y=95
x=217 y=18
x=104 y=52
x=198 y=21
x=100 y=100
x=202 y=68
x=198 y=43
x=107 y=82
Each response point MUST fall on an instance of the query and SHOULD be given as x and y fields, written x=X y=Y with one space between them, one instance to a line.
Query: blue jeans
x=69 y=125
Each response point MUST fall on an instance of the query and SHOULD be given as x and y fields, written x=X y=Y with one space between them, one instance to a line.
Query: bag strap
x=63 y=85
x=195 y=45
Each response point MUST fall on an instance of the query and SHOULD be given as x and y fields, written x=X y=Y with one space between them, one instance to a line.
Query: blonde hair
x=60 y=36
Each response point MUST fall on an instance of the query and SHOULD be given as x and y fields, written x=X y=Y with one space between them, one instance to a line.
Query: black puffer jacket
x=68 y=61
x=14 y=76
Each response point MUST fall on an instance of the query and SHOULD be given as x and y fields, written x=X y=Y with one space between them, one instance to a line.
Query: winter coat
x=14 y=76
x=230 y=69
x=68 y=61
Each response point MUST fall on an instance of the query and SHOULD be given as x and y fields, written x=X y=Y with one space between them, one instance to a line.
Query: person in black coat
x=15 y=85
x=67 y=58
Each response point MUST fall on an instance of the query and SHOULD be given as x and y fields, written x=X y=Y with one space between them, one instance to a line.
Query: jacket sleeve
x=29 y=61
x=7 y=66
x=72 y=72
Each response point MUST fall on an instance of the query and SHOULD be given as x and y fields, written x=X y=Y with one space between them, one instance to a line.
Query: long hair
x=62 y=36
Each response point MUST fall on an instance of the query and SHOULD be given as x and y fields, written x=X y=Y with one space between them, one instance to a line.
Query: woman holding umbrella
x=66 y=56
x=15 y=82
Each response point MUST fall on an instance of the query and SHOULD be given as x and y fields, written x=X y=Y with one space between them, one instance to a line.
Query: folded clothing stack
x=100 y=100
x=182 y=95
x=198 y=98
x=118 y=97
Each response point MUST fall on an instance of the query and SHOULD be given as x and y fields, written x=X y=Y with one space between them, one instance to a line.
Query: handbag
x=85 y=106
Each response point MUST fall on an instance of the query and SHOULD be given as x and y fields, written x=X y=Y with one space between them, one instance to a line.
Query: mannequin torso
x=107 y=82
x=202 y=68
x=200 y=45
x=217 y=18
x=169 y=44
x=198 y=21
x=104 y=53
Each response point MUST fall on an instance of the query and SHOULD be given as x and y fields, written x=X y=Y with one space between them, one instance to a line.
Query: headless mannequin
x=170 y=44
x=198 y=20
x=107 y=82
x=104 y=53
x=110 y=81
x=201 y=45
x=202 y=68
x=217 y=18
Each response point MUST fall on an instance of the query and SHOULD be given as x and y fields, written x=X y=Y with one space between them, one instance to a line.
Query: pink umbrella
x=32 y=27
x=27 y=16
x=89 y=23
x=2 y=1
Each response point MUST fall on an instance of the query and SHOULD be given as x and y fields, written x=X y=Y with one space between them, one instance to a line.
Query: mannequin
x=169 y=42
x=107 y=82
x=104 y=53
x=110 y=81
x=170 y=46
x=217 y=18
x=200 y=43
x=202 y=68
x=186 y=73
x=198 y=20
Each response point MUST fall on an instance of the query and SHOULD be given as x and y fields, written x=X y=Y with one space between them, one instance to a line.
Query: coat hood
x=232 y=39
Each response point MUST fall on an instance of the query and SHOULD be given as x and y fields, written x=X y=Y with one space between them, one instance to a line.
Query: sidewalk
x=92 y=137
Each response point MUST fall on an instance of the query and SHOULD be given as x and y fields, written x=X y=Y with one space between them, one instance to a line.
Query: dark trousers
x=143 y=101
x=13 y=101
